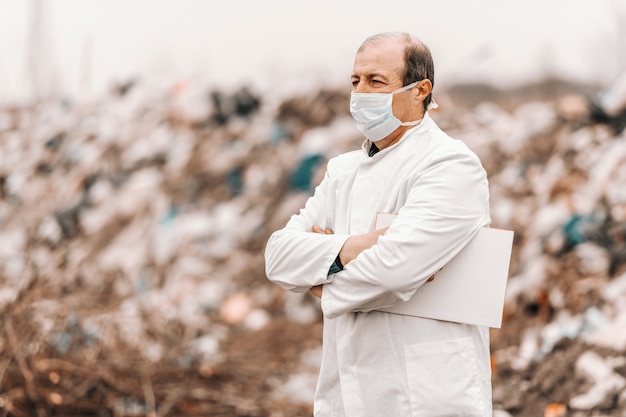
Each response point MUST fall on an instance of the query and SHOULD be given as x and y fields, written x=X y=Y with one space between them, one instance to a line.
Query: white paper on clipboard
x=470 y=288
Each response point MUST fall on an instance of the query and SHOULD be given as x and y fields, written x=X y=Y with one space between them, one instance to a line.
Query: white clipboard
x=468 y=289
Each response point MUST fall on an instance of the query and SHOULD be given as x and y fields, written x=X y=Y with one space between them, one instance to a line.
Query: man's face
x=379 y=69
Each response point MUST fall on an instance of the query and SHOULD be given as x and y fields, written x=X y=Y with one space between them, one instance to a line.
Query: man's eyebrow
x=371 y=75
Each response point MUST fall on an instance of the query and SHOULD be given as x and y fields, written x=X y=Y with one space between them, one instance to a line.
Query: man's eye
x=355 y=83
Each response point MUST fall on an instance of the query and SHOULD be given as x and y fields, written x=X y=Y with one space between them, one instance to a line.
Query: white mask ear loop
x=408 y=87
x=405 y=88
x=432 y=105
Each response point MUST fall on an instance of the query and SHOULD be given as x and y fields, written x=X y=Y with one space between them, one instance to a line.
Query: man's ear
x=423 y=89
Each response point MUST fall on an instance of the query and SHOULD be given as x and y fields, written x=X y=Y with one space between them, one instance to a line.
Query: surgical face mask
x=373 y=113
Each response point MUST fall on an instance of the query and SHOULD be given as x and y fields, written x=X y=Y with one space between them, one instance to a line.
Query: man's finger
x=317 y=229
x=316 y=291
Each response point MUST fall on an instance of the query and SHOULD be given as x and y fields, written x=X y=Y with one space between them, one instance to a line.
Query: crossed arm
x=352 y=247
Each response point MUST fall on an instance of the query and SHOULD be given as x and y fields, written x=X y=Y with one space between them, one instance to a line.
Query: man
x=378 y=364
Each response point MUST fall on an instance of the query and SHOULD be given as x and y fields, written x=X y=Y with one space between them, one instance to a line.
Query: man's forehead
x=384 y=62
x=384 y=56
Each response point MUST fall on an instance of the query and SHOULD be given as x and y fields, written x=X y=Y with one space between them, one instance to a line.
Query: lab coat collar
x=425 y=125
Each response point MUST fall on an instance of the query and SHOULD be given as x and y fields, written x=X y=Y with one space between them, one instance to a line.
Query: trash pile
x=557 y=174
x=131 y=251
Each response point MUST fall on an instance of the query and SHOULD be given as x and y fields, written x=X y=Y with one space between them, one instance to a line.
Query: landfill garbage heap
x=132 y=236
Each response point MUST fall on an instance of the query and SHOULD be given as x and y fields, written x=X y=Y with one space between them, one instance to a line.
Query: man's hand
x=317 y=291
x=353 y=246
x=356 y=244
x=317 y=229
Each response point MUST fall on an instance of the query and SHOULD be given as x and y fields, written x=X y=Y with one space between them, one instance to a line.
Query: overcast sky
x=290 y=44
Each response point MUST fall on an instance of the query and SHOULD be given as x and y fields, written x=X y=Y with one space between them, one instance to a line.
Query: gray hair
x=418 y=61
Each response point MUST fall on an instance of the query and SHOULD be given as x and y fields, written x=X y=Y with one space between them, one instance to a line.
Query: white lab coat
x=378 y=364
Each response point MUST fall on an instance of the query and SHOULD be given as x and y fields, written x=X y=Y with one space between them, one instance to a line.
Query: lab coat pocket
x=443 y=379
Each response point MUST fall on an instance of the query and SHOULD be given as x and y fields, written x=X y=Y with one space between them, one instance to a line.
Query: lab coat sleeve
x=297 y=259
x=447 y=204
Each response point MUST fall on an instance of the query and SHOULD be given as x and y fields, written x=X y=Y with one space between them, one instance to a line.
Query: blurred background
x=76 y=48
x=149 y=148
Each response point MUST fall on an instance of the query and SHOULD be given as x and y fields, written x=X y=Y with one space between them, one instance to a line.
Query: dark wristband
x=336 y=266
